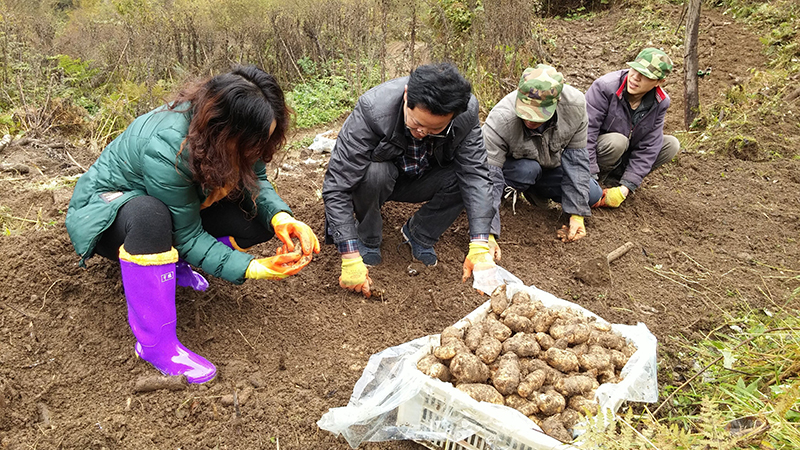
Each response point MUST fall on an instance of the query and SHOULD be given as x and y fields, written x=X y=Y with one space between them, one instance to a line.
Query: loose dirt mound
x=714 y=237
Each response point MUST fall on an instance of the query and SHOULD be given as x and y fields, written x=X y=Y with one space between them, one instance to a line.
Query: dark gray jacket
x=608 y=113
x=375 y=131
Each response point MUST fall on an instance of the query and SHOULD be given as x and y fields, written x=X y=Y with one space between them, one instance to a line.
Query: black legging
x=144 y=225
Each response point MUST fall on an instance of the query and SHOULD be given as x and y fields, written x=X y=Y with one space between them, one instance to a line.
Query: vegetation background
x=89 y=66
x=86 y=68
x=83 y=69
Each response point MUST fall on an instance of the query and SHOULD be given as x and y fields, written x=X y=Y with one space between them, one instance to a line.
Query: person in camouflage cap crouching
x=536 y=140
x=626 y=138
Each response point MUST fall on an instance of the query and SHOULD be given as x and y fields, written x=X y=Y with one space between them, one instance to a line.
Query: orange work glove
x=478 y=258
x=612 y=197
x=286 y=227
x=576 y=230
x=355 y=276
x=494 y=249
x=276 y=267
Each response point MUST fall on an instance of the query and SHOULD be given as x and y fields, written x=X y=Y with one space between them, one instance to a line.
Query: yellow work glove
x=478 y=258
x=276 y=267
x=355 y=276
x=494 y=249
x=286 y=227
x=575 y=231
x=612 y=198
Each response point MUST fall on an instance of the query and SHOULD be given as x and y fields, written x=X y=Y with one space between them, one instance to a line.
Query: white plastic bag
x=322 y=143
x=487 y=281
x=394 y=401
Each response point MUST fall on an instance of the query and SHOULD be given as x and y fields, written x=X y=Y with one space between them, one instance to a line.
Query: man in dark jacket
x=412 y=139
x=626 y=138
x=536 y=140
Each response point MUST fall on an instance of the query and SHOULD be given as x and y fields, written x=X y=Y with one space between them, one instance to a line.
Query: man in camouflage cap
x=626 y=140
x=536 y=140
x=538 y=93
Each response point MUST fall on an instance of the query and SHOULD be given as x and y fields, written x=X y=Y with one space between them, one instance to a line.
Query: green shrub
x=321 y=101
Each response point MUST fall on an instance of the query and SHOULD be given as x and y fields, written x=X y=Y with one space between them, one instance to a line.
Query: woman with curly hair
x=185 y=185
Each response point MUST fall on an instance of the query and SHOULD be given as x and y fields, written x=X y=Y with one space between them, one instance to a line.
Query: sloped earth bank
x=714 y=237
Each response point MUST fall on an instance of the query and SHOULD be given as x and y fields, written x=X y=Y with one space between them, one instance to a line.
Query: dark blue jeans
x=438 y=188
x=528 y=176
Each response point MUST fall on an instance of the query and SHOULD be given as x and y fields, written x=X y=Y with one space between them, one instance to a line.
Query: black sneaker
x=425 y=255
x=370 y=255
x=538 y=201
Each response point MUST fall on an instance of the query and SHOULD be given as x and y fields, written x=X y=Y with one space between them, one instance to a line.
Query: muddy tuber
x=546 y=363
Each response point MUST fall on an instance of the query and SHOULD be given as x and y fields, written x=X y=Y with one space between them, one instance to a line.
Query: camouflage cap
x=538 y=93
x=652 y=63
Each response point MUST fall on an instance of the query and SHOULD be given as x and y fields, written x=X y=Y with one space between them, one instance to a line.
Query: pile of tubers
x=544 y=362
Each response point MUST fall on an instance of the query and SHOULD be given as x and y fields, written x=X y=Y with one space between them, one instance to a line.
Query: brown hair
x=230 y=127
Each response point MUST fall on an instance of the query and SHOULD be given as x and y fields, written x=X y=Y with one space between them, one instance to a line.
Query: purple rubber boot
x=150 y=293
x=187 y=277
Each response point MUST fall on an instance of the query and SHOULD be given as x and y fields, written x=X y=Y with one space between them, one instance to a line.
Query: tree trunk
x=178 y=48
x=5 y=54
x=413 y=37
x=691 y=95
x=384 y=31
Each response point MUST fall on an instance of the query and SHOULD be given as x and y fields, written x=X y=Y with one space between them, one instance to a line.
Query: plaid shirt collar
x=416 y=160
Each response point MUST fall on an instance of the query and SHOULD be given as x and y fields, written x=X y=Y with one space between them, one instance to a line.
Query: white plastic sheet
x=391 y=380
x=487 y=281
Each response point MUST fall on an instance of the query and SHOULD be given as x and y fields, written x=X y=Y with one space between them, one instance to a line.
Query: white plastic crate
x=439 y=407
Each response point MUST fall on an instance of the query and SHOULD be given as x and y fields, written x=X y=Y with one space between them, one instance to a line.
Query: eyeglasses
x=441 y=134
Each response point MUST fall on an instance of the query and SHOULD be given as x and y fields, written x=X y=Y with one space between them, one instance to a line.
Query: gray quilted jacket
x=561 y=144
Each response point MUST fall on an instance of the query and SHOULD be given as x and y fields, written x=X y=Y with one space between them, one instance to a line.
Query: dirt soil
x=714 y=237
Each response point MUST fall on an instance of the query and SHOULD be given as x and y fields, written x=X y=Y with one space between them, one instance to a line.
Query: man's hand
x=576 y=230
x=612 y=197
x=478 y=258
x=277 y=267
x=494 y=249
x=355 y=275
x=286 y=227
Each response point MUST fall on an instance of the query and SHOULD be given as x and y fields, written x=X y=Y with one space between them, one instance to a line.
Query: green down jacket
x=143 y=160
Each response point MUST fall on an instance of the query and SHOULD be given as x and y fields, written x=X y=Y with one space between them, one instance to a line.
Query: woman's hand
x=277 y=267
x=286 y=227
